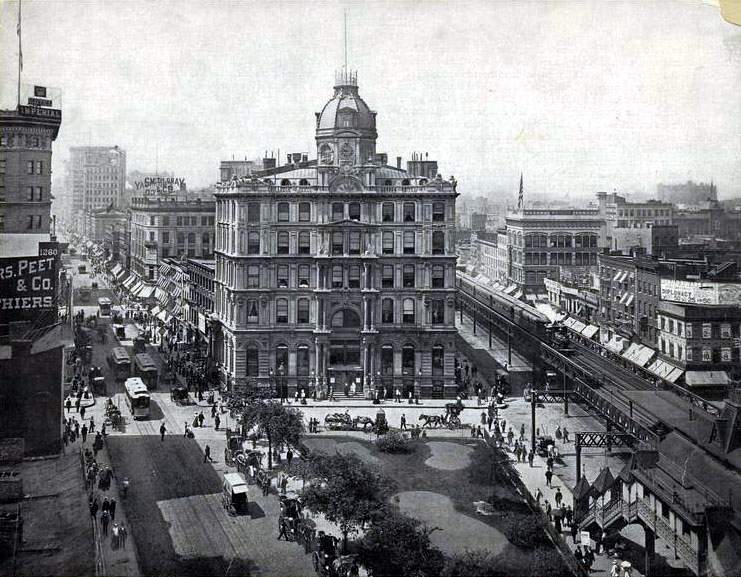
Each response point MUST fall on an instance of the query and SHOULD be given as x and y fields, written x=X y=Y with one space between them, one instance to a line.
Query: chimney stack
x=398 y=162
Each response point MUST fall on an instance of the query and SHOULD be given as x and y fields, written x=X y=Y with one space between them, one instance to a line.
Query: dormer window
x=347 y=120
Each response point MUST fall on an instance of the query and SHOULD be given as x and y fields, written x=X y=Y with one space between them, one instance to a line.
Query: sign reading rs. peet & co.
x=27 y=285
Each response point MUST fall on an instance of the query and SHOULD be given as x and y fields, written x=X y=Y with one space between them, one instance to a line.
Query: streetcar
x=137 y=397
x=104 y=305
x=119 y=361
x=146 y=369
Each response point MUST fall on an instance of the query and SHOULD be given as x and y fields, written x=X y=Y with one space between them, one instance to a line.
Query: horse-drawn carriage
x=179 y=395
x=339 y=422
x=451 y=419
x=344 y=422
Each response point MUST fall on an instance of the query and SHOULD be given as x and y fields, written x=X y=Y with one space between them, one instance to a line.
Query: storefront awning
x=136 y=287
x=674 y=375
x=117 y=270
x=543 y=297
x=163 y=315
x=616 y=344
x=589 y=331
x=577 y=326
x=517 y=295
x=638 y=354
x=129 y=282
x=510 y=289
x=661 y=368
x=707 y=379
x=155 y=311
x=568 y=322
x=145 y=291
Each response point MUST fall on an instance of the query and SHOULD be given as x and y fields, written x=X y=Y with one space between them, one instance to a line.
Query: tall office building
x=97 y=178
x=338 y=270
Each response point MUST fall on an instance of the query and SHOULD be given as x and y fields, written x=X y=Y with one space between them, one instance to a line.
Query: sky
x=578 y=96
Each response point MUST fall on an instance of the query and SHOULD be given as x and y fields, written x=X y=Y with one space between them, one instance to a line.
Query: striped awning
x=146 y=292
x=129 y=282
x=589 y=331
x=156 y=310
x=136 y=287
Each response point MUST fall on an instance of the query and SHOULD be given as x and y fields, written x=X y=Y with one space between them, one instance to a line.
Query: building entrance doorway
x=344 y=368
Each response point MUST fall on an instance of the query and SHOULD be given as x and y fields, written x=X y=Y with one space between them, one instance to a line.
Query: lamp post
x=272 y=381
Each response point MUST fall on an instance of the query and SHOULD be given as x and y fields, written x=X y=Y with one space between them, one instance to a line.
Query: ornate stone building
x=338 y=270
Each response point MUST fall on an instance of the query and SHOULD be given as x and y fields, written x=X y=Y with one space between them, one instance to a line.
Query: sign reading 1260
x=27 y=283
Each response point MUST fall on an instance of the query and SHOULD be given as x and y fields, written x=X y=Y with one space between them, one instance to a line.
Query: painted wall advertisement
x=701 y=293
x=27 y=287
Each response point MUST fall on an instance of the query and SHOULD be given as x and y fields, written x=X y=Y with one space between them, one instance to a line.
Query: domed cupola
x=346 y=126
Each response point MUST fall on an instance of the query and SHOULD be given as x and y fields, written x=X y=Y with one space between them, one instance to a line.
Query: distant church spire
x=520 y=197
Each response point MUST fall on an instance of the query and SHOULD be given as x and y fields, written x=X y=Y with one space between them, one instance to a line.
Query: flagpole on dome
x=20 y=53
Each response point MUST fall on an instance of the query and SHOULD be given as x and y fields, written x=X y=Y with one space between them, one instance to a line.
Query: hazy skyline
x=579 y=96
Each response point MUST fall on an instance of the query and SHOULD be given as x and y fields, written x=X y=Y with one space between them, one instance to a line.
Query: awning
x=590 y=330
x=644 y=355
x=117 y=269
x=517 y=294
x=160 y=294
x=162 y=315
x=568 y=322
x=176 y=292
x=129 y=282
x=531 y=297
x=510 y=289
x=155 y=311
x=616 y=344
x=578 y=326
x=707 y=379
x=661 y=368
x=145 y=292
x=616 y=277
x=543 y=297
x=176 y=311
x=135 y=287
x=674 y=375
x=629 y=301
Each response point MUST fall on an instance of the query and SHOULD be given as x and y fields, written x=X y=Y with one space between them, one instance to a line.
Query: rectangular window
x=387 y=212
x=282 y=276
x=281 y=311
x=29 y=167
x=303 y=275
x=252 y=313
x=409 y=212
x=387 y=311
x=165 y=221
x=253 y=276
x=38 y=221
x=438 y=211
x=338 y=245
x=387 y=276
x=29 y=192
x=29 y=225
x=408 y=276
x=304 y=211
x=707 y=331
x=338 y=211
x=725 y=354
x=338 y=280
x=2 y=166
x=409 y=247
x=688 y=330
x=354 y=243
x=39 y=167
x=253 y=212
x=302 y=313
x=438 y=312
x=181 y=238
x=388 y=243
x=707 y=354
x=151 y=236
x=204 y=221
x=165 y=237
x=438 y=276
x=354 y=277
x=283 y=211
x=353 y=211
x=179 y=221
x=725 y=331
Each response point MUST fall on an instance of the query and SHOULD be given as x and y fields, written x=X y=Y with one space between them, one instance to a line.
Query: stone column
x=372 y=314
x=365 y=313
x=316 y=358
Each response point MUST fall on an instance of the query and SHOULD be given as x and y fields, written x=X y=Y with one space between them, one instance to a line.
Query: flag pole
x=20 y=53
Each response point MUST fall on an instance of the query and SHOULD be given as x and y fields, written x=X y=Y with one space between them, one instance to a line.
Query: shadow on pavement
x=162 y=471
x=256 y=511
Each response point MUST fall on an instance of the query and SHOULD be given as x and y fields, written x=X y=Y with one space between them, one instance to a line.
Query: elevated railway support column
x=650 y=550
x=600 y=439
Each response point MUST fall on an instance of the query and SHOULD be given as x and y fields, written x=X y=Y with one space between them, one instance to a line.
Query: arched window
x=409 y=245
x=281 y=360
x=353 y=211
x=338 y=211
x=438 y=361
x=338 y=244
x=283 y=212
x=387 y=360
x=338 y=277
x=253 y=243
x=302 y=311
x=438 y=242
x=408 y=311
x=422 y=181
x=304 y=242
x=388 y=243
x=345 y=318
x=253 y=361
x=302 y=361
x=281 y=311
x=282 y=243
x=409 y=212
x=407 y=360
x=285 y=182
x=387 y=310
x=303 y=182
x=387 y=182
x=405 y=182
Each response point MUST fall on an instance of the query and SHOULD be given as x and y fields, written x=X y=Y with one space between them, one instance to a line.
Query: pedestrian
x=510 y=436
x=201 y=418
x=163 y=430
x=207 y=454
x=77 y=404
x=91 y=428
x=112 y=509
x=68 y=404
x=105 y=517
x=574 y=531
x=185 y=433
x=213 y=411
x=549 y=463
x=84 y=434
x=615 y=569
x=403 y=425
x=283 y=484
x=489 y=421
x=282 y=528
x=115 y=536
x=569 y=515
x=538 y=496
x=94 y=508
x=123 y=533
x=530 y=457
x=504 y=425
x=548 y=510
x=548 y=477
x=558 y=497
x=289 y=457
x=479 y=432
x=106 y=506
x=578 y=555
x=559 y=434
x=82 y=413
x=565 y=435
x=102 y=431
x=398 y=395
x=522 y=432
x=217 y=422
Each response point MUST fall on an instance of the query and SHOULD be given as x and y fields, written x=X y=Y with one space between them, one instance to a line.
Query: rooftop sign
x=159 y=185
x=700 y=292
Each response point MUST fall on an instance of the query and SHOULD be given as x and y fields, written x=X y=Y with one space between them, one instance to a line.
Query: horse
x=432 y=421
x=362 y=422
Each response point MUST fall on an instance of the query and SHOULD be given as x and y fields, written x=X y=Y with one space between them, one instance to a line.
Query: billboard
x=701 y=293
x=27 y=287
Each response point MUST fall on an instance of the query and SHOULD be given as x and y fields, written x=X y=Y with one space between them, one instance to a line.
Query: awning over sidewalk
x=510 y=289
x=616 y=344
x=117 y=270
x=707 y=379
x=129 y=282
x=146 y=292
x=665 y=370
x=135 y=287
x=639 y=354
x=577 y=326
x=589 y=331
x=155 y=311
x=164 y=316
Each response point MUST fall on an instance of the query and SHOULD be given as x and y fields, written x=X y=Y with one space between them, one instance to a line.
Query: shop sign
x=27 y=286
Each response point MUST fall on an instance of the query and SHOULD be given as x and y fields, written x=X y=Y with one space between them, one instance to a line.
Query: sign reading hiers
x=27 y=286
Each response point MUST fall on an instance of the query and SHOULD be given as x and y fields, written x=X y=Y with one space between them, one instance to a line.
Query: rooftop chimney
x=398 y=162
